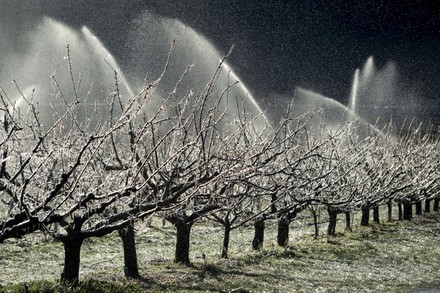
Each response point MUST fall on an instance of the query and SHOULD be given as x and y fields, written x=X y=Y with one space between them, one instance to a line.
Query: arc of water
x=101 y=50
x=354 y=91
x=368 y=69
x=247 y=92
x=150 y=38
x=360 y=83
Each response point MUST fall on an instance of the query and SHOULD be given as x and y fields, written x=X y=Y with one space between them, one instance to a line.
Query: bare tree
x=95 y=178
x=420 y=160
x=223 y=147
x=99 y=166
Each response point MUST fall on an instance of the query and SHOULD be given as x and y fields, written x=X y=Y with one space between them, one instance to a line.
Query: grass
x=387 y=257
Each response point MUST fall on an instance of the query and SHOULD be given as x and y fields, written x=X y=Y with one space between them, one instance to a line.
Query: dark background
x=279 y=45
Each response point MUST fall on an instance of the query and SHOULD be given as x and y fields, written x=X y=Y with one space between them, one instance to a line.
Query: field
x=387 y=257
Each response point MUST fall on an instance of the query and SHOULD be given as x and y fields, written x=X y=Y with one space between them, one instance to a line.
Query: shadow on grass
x=217 y=272
x=218 y=277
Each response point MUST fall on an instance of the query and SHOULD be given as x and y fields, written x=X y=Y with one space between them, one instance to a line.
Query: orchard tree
x=223 y=144
x=321 y=170
x=420 y=158
x=94 y=174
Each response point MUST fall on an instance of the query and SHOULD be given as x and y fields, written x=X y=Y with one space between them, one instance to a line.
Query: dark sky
x=279 y=45
x=318 y=44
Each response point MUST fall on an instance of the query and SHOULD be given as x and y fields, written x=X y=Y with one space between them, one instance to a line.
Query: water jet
x=379 y=96
x=148 y=45
x=44 y=64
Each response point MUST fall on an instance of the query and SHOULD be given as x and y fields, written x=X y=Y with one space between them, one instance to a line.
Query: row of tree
x=77 y=169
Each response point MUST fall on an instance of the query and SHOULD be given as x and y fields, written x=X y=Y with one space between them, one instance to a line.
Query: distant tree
x=231 y=218
x=424 y=161
x=323 y=171
x=253 y=195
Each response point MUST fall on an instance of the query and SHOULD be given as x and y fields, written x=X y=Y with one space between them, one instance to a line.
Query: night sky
x=318 y=44
x=279 y=45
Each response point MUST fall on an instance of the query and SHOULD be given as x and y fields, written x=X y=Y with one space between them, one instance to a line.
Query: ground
x=388 y=257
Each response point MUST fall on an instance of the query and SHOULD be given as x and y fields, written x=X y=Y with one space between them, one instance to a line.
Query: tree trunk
x=315 y=224
x=348 y=222
x=407 y=211
x=365 y=220
x=332 y=217
x=419 y=208
x=283 y=231
x=130 y=255
x=72 y=259
x=400 y=208
x=390 y=210
x=226 y=238
x=257 y=242
x=427 y=206
x=376 y=217
x=436 y=204
x=273 y=207
x=182 y=242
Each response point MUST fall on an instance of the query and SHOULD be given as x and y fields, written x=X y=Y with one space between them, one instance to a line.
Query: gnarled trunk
x=376 y=217
x=257 y=242
x=273 y=207
x=332 y=218
x=407 y=211
x=427 y=206
x=348 y=222
x=418 y=208
x=315 y=224
x=365 y=220
x=226 y=237
x=72 y=259
x=183 y=230
x=130 y=256
x=283 y=231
